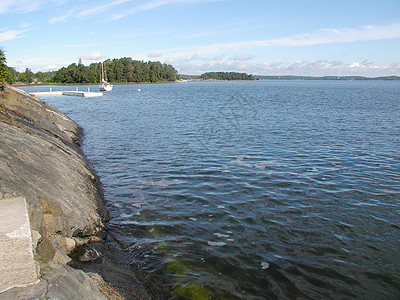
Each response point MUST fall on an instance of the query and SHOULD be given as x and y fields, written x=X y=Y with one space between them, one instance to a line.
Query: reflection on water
x=252 y=190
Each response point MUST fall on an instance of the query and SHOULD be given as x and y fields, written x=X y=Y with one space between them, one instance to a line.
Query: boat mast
x=102 y=66
x=102 y=71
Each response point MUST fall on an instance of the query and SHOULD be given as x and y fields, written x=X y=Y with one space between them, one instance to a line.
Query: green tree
x=29 y=75
x=226 y=76
x=62 y=76
x=11 y=75
x=22 y=78
x=3 y=67
x=117 y=70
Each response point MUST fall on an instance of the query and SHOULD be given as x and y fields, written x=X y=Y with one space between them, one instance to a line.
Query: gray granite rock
x=41 y=161
x=61 y=282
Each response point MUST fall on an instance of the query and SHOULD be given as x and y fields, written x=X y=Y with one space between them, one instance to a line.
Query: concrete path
x=17 y=267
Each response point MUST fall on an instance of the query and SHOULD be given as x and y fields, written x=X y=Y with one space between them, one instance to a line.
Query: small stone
x=89 y=255
x=70 y=244
x=264 y=265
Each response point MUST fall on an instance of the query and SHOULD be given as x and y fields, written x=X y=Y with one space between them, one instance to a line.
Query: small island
x=226 y=76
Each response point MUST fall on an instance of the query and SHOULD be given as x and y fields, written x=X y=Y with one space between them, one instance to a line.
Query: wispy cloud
x=322 y=36
x=332 y=35
x=51 y=47
x=24 y=6
x=307 y=68
x=242 y=56
x=101 y=8
x=24 y=25
x=205 y=34
x=37 y=64
x=59 y=19
x=78 y=46
x=339 y=35
x=199 y=59
x=92 y=56
x=321 y=68
x=154 y=4
x=217 y=30
x=11 y=35
x=154 y=55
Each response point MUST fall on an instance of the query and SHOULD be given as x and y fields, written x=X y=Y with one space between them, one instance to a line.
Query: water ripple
x=253 y=190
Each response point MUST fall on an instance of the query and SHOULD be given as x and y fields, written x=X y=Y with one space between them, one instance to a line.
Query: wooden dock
x=77 y=93
x=50 y=93
x=82 y=94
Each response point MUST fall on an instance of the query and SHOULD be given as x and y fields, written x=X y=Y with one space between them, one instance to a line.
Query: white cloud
x=204 y=58
x=154 y=55
x=35 y=64
x=23 y=6
x=101 y=8
x=206 y=34
x=354 y=65
x=77 y=45
x=154 y=4
x=306 y=68
x=24 y=25
x=92 y=56
x=59 y=19
x=242 y=56
x=199 y=59
x=50 y=68
x=322 y=36
x=11 y=35
x=339 y=35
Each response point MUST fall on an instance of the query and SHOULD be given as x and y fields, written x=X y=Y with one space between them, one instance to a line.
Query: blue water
x=252 y=190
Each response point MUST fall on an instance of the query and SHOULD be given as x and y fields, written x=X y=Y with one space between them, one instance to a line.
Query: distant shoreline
x=256 y=78
x=294 y=77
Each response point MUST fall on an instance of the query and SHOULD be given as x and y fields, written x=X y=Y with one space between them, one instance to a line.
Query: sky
x=260 y=37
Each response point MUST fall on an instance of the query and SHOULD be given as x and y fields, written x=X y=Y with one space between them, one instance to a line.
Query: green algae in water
x=183 y=285
x=193 y=290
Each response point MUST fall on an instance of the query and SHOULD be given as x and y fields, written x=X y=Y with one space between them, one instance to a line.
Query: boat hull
x=106 y=87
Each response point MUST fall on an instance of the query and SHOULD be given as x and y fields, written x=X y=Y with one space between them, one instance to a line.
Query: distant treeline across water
x=117 y=71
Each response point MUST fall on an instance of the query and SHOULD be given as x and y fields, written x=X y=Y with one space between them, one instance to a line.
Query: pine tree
x=3 y=67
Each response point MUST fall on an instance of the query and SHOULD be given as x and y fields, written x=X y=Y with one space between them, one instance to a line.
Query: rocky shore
x=41 y=161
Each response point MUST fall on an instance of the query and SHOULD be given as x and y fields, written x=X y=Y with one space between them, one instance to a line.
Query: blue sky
x=298 y=37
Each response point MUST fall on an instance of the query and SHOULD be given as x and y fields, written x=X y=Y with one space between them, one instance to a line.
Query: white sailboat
x=105 y=86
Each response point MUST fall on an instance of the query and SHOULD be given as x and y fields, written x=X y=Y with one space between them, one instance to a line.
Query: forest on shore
x=121 y=70
x=226 y=76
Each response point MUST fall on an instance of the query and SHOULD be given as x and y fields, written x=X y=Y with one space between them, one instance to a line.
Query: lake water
x=252 y=190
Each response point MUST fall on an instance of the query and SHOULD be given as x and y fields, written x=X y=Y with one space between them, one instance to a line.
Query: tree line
x=121 y=70
x=226 y=76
